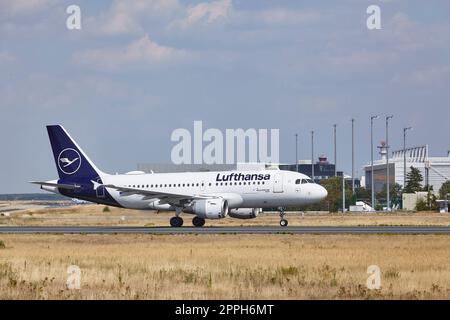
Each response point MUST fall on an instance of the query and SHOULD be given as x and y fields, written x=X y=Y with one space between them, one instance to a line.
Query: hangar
x=435 y=170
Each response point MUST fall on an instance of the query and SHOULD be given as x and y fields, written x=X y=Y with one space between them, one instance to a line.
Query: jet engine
x=244 y=213
x=208 y=208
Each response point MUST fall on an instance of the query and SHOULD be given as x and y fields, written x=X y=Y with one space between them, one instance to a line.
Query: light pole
x=371 y=161
x=335 y=151
x=404 y=155
x=353 y=156
x=296 y=152
x=388 y=206
x=312 y=155
x=343 y=192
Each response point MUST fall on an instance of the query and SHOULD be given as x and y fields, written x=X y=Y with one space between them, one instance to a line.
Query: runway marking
x=224 y=230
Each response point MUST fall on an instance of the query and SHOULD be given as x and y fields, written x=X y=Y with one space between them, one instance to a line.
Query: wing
x=175 y=199
x=58 y=185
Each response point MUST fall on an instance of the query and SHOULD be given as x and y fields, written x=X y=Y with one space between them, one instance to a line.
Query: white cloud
x=286 y=17
x=433 y=76
x=205 y=13
x=140 y=53
x=23 y=7
x=128 y=17
x=6 y=58
x=359 y=61
x=407 y=35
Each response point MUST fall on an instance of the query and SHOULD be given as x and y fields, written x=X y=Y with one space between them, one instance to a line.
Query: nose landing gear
x=283 y=221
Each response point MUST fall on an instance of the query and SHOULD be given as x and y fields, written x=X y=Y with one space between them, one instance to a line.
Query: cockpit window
x=297 y=181
x=304 y=181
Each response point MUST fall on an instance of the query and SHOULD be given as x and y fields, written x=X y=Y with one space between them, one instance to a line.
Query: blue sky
x=137 y=70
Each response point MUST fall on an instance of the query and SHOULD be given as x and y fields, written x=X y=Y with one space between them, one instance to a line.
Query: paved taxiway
x=223 y=230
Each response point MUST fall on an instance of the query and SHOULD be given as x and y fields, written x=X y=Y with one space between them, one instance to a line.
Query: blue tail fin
x=71 y=161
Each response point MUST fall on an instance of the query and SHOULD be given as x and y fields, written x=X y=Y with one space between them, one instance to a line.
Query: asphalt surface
x=223 y=230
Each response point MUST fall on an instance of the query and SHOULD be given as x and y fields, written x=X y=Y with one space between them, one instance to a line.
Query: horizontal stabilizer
x=57 y=185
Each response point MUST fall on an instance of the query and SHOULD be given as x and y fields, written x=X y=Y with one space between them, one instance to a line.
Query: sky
x=138 y=70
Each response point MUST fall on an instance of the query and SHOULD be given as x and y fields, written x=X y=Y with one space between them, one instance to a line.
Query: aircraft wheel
x=198 y=222
x=283 y=222
x=176 y=222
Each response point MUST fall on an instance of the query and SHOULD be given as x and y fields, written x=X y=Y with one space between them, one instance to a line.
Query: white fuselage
x=242 y=189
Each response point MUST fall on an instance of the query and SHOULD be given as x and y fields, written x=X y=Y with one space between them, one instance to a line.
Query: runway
x=223 y=230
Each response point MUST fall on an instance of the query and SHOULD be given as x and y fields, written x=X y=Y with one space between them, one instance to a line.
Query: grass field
x=221 y=266
x=95 y=215
x=224 y=266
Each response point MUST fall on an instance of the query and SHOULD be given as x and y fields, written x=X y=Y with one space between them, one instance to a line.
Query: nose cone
x=322 y=192
x=319 y=193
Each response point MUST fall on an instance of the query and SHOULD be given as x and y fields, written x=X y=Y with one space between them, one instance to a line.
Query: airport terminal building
x=435 y=170
x=323 y=169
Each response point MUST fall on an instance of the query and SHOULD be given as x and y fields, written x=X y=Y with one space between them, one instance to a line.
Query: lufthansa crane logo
x=69 y=161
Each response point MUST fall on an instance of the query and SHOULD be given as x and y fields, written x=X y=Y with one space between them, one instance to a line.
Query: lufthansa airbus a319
x=205 y=195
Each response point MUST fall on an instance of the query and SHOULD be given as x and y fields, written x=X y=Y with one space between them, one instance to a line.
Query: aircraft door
x=278 y=183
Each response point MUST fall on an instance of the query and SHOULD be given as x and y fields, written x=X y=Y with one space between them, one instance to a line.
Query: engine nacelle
x=244 y=213
x=208 y=208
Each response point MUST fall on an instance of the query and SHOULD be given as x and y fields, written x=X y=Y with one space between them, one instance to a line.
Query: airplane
x=206 y=195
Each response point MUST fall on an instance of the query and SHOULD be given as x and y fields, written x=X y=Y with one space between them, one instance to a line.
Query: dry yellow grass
x=224 y=266
x=94 y=215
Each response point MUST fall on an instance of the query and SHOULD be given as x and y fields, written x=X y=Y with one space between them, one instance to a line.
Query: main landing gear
x=283 y=221
x=176 y=221
x=198 y=222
